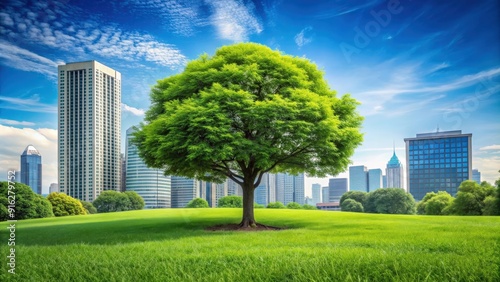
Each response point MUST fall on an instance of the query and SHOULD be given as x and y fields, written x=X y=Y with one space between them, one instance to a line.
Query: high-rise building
x=184 y=190
x=438 y=161
x=384 y=181
x=325 y=197
x=394 y=172
x=316 y=193
x=233 y=188
x=358 y=178
x=150 y=183
x=54 y=187
x=123 y=171
x=374 y=179
x=476 y=176
x=265 y=193
x=290 y=188
x=337 y=188
x=31 y=169
x=89 y=119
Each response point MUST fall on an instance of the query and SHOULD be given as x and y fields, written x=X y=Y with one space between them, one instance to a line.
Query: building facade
x=476 y=176
x=150 y=183
x=265 y=193
x=358 y=178
x=438 y=161
x=89 y=122
x=31 y=169
x=394 y=172
x=375 y=179
x=54 y=187
x=185 y=189
x=290 y=188
x=325 y=194
x=336 y=188
x=316 y=193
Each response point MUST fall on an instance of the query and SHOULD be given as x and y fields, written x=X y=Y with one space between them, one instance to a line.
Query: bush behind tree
x=309 y=207
x=230 y=202
x=294 y=206
x=28 y=204
x=276 y=205
x=390 y=201
x=112 y=201
x=198 y=203
x=64 y=205
x=351 y=205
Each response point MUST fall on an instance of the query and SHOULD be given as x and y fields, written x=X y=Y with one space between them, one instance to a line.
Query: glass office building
x=438 y=161
x=31 y=169
x=337 y=188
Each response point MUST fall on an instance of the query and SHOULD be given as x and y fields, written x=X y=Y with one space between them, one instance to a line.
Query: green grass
x=171 y=245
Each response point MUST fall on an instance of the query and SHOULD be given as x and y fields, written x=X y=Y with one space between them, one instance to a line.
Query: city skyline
x=415 y=67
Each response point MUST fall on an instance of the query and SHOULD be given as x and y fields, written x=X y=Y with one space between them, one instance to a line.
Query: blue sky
x=414 y=65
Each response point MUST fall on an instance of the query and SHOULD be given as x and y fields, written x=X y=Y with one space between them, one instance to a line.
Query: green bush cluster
x=113 y=201
x=386 y=200
x=26 y=204
x=64 y=205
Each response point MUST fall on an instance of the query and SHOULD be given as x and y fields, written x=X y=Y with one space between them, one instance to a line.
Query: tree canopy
x=27 y=203
x=197 y=203
x=390 y=201
x=246 y=111
x=63 y=205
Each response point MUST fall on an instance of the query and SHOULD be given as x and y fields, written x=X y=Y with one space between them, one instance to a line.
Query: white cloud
x=32 y=104
x=134 y=111
x=491 y=147
x=25 y=60
x=45 y=27
x=488 y=166
x=233 y=20
x=301 y=38
x=16 y=122
x=14 y=140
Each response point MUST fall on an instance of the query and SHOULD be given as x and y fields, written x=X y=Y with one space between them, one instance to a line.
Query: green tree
x=275 y=205
x=294 y=206
x=391 y=201
x=421 y=205
x=136 y=201
x=246 y=111
x=198 y=203
x=470 y=198
x=63 y=205
x=437 y=205
x=89 y=207
x=112 y=201
x=230 y=202
x=309 y=207
x=358 y=196
x=27 y=203
x=351 y=205
x=491 y=206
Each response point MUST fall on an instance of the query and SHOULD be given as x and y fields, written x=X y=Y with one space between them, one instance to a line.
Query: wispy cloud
x=53 y=26
x=342 y=9
x=302 y=38
x=16 y=122
x=32 y=104
x=132 y=110
x=25 y=60
x=491 y=147
x=233 y=19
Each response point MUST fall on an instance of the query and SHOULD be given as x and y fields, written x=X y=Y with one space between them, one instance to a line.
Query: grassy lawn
x=171 y=245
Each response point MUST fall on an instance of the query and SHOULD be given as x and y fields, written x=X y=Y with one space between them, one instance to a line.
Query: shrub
x=230 y=202
x=309 y=207
x=437 y=205
x=89 y=207
x=112 y=201
x=136 y=201
x=358 y=196
x=64 y=205
x=294 y=206
x=197 y=203
x=275 y=205
x=27 y=203
x=390 y=201
x=351 y=205
x=258 y=206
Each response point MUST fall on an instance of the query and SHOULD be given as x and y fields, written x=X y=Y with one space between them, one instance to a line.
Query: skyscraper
x=31 y=169
x=337 y=188
x=266 y=191
x=89 y=119
x=184 y=190
x=394 y=172
x=233 y=188
x=438 y=161
x=325 y=197
x=290 y=188
x=54 y=187
x=358 y=178
x=384 y=181
x=476 y=176
x=150 y=183
x=316 y=193
x=374 y=179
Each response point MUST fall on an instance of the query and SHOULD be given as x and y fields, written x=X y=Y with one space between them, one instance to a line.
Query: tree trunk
x=248 y=219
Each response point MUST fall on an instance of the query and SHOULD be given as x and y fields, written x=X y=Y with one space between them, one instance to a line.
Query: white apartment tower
x=89 y=118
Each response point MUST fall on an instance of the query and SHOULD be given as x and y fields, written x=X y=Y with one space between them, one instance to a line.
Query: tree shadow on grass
x=121 y=231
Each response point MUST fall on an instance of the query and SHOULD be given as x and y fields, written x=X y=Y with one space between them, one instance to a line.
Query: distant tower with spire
x=31 y=169
x=394 y=172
